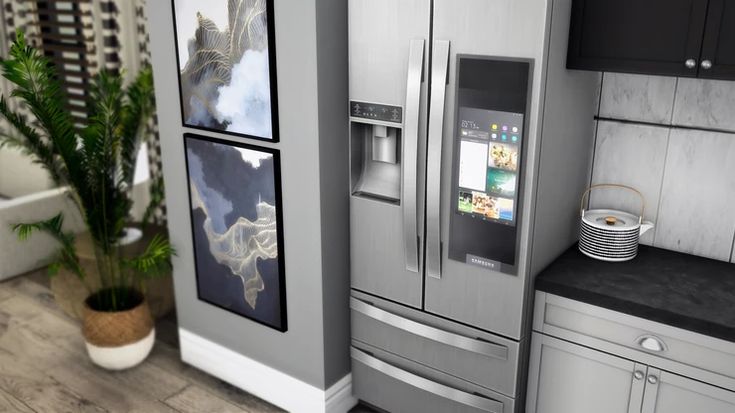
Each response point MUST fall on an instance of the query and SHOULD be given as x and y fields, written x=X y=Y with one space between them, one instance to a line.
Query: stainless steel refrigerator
x=470 y=144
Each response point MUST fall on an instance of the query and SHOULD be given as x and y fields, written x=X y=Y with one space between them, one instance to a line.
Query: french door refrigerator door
x=388 y=51
x=463 y=281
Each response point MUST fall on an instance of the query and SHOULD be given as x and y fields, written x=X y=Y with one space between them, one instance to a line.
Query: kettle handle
x=587 y=192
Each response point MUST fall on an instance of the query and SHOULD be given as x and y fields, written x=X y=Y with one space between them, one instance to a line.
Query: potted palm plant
x=96 y=161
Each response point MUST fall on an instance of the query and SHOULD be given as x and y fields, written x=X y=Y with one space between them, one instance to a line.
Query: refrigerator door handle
x=472 y=400
x=439 y=76
x=485 y=348
x=410 y=154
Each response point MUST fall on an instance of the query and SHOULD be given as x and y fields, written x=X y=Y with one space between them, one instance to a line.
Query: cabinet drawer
x=651 y=342
x=387 y=382
x=472 y=355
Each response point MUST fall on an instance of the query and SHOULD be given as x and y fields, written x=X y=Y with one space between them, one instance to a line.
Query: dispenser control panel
x=376 y=111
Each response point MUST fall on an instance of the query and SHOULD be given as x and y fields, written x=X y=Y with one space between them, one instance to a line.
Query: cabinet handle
x=690 y=63
x=638 y=375
x=652 y=343
x=706 y=64
x=652 y=379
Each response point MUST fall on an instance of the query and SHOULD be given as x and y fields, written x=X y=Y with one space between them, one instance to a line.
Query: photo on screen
x=505 y=208
x=480 y=203
x=501 y=182
x=503 y=156
x=465 y=202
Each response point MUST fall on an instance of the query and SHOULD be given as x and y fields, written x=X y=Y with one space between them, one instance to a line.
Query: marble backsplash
x=687 y=176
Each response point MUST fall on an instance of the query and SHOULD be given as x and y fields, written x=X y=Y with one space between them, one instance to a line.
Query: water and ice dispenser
x=376 y=151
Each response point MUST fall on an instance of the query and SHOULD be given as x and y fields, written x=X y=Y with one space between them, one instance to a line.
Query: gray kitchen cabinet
x=670 y=393
x=586 y=358
x=567 y=378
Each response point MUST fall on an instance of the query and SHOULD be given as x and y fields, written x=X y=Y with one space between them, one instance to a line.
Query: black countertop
x=680 y=290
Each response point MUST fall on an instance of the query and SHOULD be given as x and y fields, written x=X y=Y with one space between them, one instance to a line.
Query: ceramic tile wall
x=687 y=176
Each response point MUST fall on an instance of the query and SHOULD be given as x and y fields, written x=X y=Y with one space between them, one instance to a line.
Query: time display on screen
x=489 y=164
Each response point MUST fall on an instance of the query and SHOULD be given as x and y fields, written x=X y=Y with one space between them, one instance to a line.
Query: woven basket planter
x=118 y=340
x=70 y=293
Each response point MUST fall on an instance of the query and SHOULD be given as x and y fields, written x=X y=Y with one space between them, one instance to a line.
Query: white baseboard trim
x=263 y=381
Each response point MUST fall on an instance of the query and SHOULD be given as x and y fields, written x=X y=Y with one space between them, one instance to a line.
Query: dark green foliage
x=67 y=257
x=96 y=161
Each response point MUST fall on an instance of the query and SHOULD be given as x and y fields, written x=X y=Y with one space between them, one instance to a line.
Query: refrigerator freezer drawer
x=397 y=385
x=477 y=357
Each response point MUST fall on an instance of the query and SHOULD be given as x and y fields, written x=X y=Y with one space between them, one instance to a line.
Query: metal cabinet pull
x=410 y=154
x=439 y=72
x=652 y=379
x=485 y=348
x=457 y=396
x=652 y=343
x=638 y=375
x=706 y=64
x=690 y=63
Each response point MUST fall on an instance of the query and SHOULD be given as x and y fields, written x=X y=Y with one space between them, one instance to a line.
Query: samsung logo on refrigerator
x=482 y=262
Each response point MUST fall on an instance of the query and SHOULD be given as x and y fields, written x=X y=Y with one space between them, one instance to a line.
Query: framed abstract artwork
x=237 y=229
x=225 y=51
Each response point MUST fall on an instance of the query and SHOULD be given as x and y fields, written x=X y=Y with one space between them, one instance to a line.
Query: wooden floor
x=44 y=367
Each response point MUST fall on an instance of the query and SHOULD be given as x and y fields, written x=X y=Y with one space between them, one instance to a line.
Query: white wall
x=674 y=140
x=313 y=124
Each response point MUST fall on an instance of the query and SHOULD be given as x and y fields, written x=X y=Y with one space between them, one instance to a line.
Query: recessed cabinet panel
x=670 y=393
x=651 y=36
x=718 y=48
x=575 y=379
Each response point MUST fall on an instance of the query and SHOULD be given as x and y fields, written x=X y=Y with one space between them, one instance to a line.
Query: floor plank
x=10 y=404
x=194 y=399
x=106 y=390
x=35 y=389
x=38 y=319
x=169 y=359
x=44 y=366
x=5 y=292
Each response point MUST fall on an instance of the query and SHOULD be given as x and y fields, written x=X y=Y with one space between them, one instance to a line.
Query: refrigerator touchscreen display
x=489 y=156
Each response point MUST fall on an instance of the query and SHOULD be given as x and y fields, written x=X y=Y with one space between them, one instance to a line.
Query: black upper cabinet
x=664 y=37
x=717 y=60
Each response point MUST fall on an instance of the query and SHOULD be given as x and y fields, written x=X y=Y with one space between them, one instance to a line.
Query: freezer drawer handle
x=458 y=396
x=439 y=76
x=455 y=340
x=410 y=150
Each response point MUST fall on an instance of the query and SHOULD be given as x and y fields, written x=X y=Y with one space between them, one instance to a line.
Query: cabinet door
x=718 y=48
x=651 y=36
x=567 y=378
x=670 y=393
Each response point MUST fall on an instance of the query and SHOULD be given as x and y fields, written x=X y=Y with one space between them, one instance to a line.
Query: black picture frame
x=281 y=295
x=273 y=80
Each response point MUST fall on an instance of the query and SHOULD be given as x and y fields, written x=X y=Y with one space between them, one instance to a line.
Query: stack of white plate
x=609 y=235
